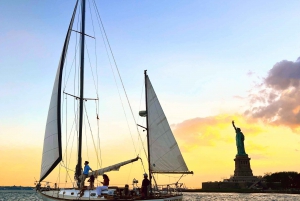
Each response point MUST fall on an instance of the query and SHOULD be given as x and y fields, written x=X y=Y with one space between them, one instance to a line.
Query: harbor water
x=30 y=195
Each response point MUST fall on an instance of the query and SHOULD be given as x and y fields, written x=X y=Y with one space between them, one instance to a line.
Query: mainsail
x=165 y=155
x=52 y=153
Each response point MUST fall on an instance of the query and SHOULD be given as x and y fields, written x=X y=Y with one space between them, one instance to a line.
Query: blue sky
x=197 y=52
x=188 y=47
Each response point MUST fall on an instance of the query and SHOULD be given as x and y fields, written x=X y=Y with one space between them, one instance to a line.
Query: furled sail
x=52 y=141
x=165 y=155
x=115 y=167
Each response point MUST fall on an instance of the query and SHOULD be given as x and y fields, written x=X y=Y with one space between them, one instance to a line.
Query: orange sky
x=207 y=144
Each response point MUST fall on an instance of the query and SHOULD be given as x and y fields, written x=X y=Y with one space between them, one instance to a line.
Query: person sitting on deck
x=126 y=192
x=145 y=185
x=91 y=180
x=105 y=183
x=85 y=173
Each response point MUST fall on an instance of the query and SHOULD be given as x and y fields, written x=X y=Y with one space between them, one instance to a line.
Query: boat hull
x=73 y=194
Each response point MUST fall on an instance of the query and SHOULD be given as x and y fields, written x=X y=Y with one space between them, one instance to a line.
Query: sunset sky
x=210 y=62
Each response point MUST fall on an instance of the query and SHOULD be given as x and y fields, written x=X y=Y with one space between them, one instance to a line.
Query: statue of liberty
x=239 y=137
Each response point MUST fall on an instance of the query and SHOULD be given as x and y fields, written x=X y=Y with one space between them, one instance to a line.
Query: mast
x=148 y=144
x=78 y=166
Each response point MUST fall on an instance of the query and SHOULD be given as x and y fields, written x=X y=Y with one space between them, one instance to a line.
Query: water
x=28 y=195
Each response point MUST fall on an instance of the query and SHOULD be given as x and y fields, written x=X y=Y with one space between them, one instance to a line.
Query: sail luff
x=147 y=122
x=52 y=151
x=114 y=167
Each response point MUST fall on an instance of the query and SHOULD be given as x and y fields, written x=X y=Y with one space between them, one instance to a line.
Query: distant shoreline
x=16 y=188
x=294 y=191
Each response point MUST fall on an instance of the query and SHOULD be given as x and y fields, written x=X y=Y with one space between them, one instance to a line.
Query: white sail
x=115 y=167
x=165 y=155
x=52 y=140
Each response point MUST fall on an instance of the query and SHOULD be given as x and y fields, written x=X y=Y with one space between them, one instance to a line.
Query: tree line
x=283 y=180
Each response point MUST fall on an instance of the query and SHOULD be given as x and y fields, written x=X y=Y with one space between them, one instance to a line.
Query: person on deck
x=145 y=185
x=105 y=183
x=85 y=173
x=126 y=192
x=91 y=180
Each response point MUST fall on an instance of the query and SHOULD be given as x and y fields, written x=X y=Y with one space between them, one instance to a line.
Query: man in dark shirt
x=145 y=185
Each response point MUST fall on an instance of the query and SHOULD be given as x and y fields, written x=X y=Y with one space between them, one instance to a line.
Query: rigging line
x=143 y=119
x=97 y=84
x=74 y=88
x=72 y=148
x=91 y=133
x=76 y=47
x=155 y=183
x=67 y=170
x=58 y=177
x=143 y=142
x=178 y=180
x=143 y=166
x=76 y=126
x=62 y=112
x=115 y=78
x=95 y=42
x=86 y=141
x=141 y=100
x=67 y=141
x=66 y=151
x=118 y=72
x=167 y=175
x=74 y=60
x=87 y=50
x=99 y=149
x=129 y=173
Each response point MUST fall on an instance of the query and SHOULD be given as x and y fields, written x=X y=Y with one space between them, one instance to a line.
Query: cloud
x=283 y=75
x=276 y=99
x=210 y=131
x=250 y=73
x=258 y=157
x=255 y=147
x=238 y=97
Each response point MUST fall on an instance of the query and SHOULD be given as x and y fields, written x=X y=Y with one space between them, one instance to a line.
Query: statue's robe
x=240 y=143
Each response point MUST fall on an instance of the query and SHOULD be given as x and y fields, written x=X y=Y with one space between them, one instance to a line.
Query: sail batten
x=165 y=155
x=52 y=153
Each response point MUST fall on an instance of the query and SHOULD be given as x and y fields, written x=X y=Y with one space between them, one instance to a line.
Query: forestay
x=165 y=155
x=52 y=141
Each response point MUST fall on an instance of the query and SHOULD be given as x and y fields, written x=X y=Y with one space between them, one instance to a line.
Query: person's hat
x=145 y=175
x=86 y=162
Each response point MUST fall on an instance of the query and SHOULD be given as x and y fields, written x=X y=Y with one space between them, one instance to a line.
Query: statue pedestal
x=242 y=166
x=243 y=172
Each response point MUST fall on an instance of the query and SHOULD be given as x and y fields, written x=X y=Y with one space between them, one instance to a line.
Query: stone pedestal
x=243 y=172
x=242 y=166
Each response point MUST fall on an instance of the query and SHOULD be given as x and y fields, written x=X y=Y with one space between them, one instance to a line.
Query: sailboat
x=164 y=156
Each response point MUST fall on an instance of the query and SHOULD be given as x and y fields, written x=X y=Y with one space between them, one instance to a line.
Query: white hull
x=72 y=194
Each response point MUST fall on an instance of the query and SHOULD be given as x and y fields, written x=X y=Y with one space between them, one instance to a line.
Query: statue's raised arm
x=233 y=125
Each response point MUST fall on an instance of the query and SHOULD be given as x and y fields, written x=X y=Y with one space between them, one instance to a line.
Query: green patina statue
x=239 y=141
